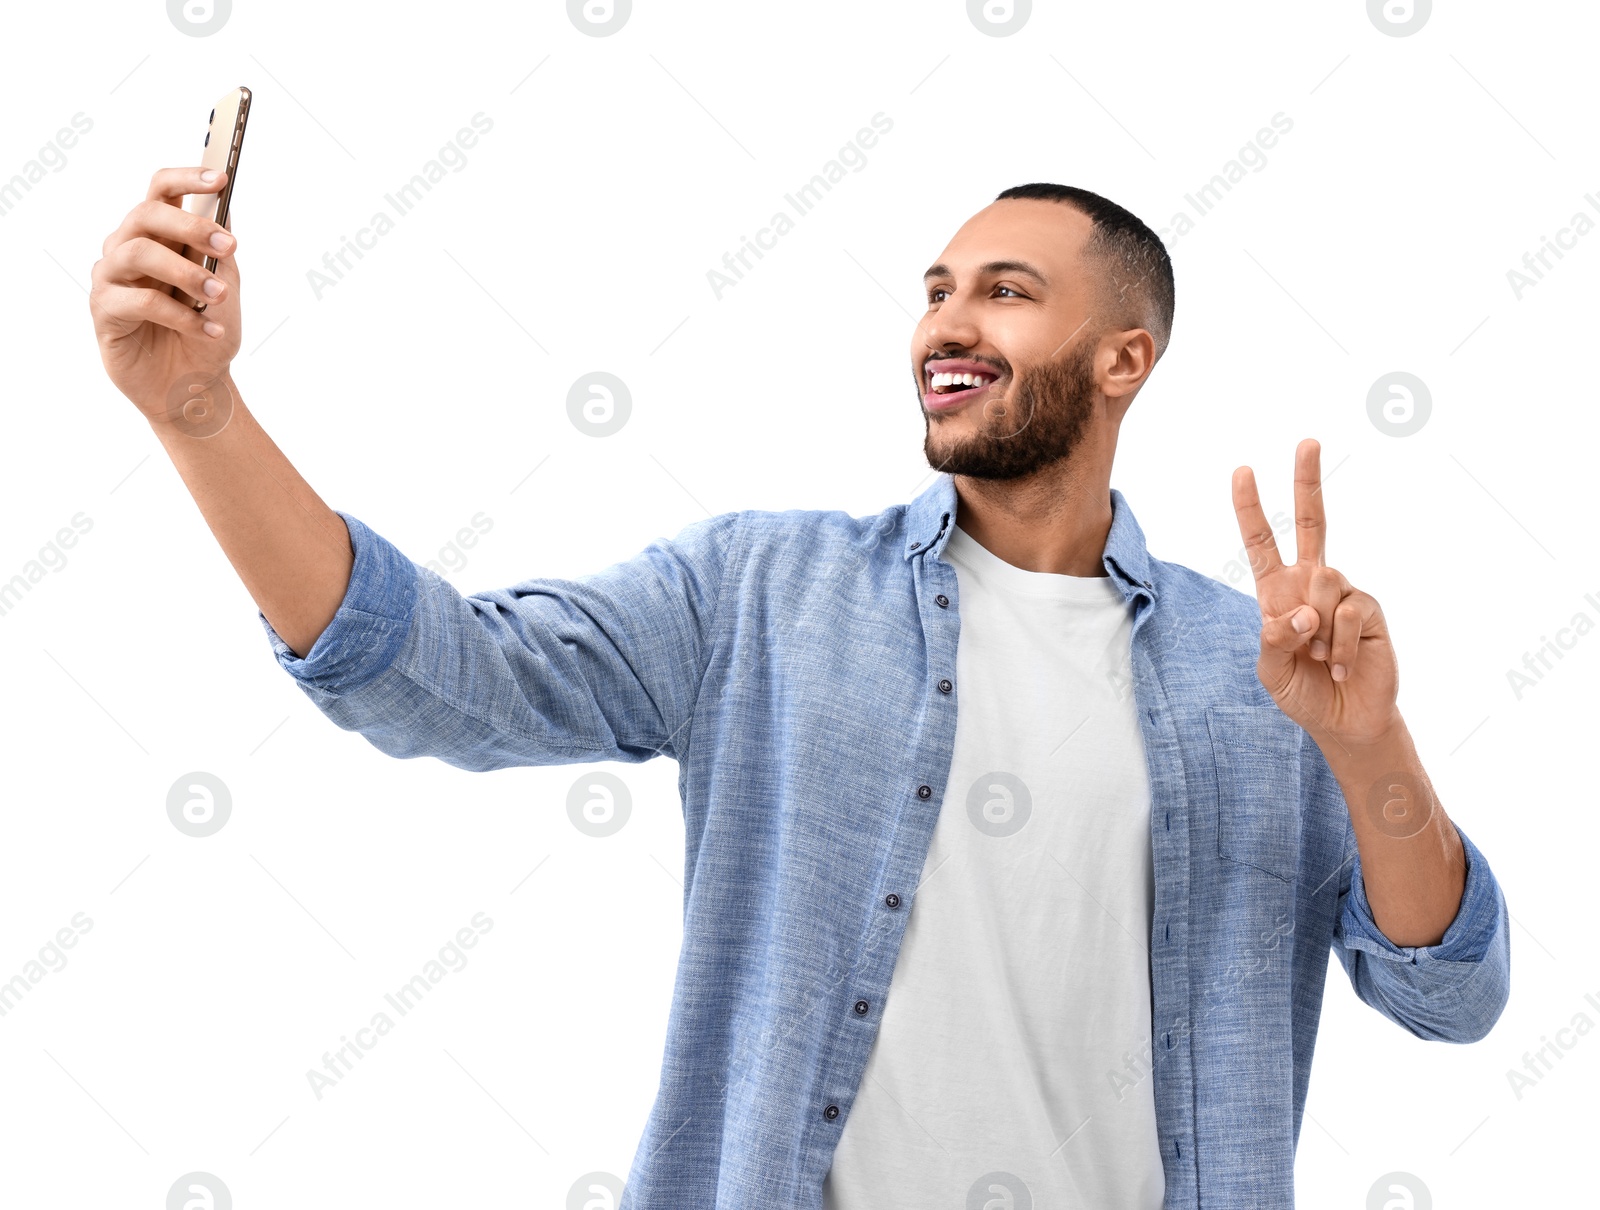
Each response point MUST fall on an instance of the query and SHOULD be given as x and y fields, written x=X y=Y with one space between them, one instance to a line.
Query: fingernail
x=1319 y=649
x=221 y=241
x=212 y=328
x=212 y=287
x=1338 y=672
x=210 y=175
x=1301 y=621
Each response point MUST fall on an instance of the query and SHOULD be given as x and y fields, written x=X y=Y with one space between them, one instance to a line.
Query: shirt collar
x=932 y=515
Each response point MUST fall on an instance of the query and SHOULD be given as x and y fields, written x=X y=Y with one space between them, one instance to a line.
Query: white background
x=426 y=385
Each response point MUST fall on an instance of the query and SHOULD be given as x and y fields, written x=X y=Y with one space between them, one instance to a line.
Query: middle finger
x=177 y=228
x=140 y=260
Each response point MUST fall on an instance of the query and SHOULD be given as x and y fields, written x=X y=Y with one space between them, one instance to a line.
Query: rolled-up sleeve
x=547 y=671
x=1451 y=992
x=373 y=620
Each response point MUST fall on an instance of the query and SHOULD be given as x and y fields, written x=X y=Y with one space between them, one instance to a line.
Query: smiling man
x=1014 y=854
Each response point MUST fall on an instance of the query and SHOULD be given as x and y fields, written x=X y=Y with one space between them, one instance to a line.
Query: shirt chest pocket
x=1256 y=751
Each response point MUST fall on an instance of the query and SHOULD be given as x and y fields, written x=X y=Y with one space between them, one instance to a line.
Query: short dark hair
x=1138 y=284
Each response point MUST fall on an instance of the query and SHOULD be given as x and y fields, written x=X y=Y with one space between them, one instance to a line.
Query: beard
x=1039 y=422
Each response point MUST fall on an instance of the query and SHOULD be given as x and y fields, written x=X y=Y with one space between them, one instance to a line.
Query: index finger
x=1310 y=527
x=1259 y=544
x=174 y=183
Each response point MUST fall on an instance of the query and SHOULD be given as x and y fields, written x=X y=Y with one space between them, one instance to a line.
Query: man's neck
x=1055 y=520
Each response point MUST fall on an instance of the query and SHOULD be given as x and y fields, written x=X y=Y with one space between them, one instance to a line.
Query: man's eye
x=1013 y=290
x=933 y=295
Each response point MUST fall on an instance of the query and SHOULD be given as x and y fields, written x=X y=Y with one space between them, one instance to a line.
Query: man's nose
x=949 y=330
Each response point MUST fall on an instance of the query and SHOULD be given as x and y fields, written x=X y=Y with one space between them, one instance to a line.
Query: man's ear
x=1133 y=356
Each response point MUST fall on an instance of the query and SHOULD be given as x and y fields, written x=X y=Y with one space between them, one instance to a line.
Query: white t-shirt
x=1011 y=1066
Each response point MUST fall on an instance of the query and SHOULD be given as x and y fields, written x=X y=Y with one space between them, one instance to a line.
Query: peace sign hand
x=1336 y=677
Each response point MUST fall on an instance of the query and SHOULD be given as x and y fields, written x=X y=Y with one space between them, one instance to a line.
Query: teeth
x=959 y=380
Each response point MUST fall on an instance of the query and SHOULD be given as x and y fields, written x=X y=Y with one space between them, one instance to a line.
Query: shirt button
x=915 y=545
x=861 y=1008
x=924 y=791
x=892 y=900
x=831 y=1112
x=942 y=601
x=945 y=686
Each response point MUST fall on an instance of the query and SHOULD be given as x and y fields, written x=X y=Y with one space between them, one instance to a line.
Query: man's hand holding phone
x=150 y=342
x=292 y=551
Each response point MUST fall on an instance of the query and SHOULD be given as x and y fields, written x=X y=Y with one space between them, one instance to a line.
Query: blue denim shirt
x=799 y=666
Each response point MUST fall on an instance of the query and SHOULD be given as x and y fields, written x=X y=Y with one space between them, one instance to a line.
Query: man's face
x=1008 y=303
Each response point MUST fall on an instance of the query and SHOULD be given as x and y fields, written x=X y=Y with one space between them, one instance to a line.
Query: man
x=1013 y=853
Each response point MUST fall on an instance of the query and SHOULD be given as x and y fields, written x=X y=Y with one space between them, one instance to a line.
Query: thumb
x=1280 y=641
x=1288 y=631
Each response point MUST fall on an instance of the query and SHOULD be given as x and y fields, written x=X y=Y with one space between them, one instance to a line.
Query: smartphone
x=224 y=138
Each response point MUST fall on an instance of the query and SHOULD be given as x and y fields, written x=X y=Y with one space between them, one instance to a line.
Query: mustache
x=934 y=359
